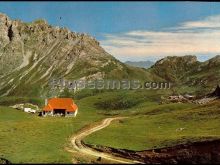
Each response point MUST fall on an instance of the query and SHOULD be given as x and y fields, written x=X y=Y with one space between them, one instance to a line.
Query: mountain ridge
x=33 y=53
x=142 y=64
x=187 y=71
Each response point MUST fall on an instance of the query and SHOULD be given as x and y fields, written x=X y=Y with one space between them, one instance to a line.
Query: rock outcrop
x=216 y=93
x=33 y=53
x=188 y=72
x=4 y=161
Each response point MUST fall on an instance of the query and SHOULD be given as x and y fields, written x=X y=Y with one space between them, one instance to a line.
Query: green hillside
x=161 y=126
x=150 y=125
x=28 y=138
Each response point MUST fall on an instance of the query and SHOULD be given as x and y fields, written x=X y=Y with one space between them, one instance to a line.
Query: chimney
x=46 y=102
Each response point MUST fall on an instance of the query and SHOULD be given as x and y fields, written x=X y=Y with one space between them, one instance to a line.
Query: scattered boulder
x=195 y=99
x=27 y=107
x=18 y=106
x=216 y=93
x=180 y=98
x=205 y=100
x=99 y=159
x=4 y=161
x=180 y=129
x=210 y=97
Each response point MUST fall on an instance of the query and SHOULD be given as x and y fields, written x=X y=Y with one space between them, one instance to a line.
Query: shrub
x=86 y=93
x=119 y=102
x=7 y=101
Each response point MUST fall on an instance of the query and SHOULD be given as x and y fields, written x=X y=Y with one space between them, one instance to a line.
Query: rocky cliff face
x=174 y=68
x=23 y=43
x=32 y=53
x=188 y=71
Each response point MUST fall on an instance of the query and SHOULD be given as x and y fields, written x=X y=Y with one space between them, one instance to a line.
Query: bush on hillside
x=8 y=101
x=86 y=93
x=118 y=103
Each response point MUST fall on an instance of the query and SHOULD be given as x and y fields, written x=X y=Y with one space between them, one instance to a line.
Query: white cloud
x=194 y=37
x=208 y=22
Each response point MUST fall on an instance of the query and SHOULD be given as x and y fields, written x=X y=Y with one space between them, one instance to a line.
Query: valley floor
x=27 y=138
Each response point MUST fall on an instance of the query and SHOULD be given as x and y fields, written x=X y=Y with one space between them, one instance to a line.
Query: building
x=60 y=107
x=29 y=110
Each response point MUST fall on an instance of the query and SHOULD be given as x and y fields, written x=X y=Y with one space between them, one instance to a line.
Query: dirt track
x=78 y=145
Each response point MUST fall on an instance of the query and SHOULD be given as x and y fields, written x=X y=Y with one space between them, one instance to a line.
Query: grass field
x=160 y=126
x=27 y=138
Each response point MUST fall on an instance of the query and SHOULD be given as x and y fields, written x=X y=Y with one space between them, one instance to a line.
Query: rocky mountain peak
x=174 y=67
x=4 y=18
x=32 y=53
x=9 y=31
x=16 y=29
x=40 y=22
x=188 y=59
x=215 y=59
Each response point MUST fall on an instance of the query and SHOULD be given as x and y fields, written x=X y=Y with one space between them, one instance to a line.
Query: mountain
x=174 y=68
x=33 y=53
x=188 y=72
x=140 y=64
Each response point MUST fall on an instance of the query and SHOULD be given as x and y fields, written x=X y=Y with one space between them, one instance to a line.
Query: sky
x=134 y=31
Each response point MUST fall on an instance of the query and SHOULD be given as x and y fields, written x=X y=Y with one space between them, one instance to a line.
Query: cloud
x=194 y=37
x=208 y=22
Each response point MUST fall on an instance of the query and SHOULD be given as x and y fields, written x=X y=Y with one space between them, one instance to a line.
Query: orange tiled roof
x=61 y=103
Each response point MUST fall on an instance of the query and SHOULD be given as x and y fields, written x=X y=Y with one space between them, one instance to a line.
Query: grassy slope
x=159 y=127
x=28 y=138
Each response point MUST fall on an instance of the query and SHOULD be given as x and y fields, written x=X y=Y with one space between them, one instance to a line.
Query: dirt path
x=76 y=141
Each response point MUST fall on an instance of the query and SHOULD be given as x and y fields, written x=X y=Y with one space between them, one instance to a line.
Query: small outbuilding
x=29 y=110
x=60 y=107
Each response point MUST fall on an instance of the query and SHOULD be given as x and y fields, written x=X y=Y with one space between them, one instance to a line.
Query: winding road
x=78 y=145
